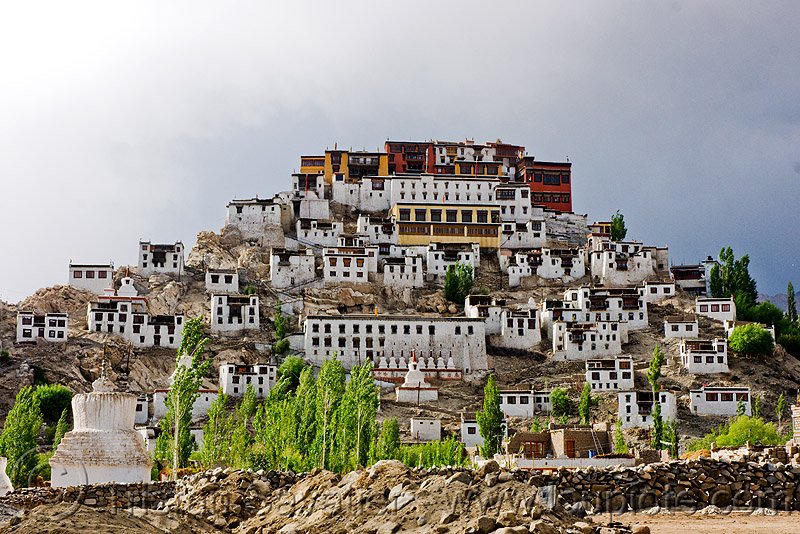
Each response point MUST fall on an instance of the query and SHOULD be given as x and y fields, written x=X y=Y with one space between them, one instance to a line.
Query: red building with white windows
x=550 y=182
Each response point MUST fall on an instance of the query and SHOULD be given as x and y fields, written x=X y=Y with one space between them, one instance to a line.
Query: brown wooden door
x=570 y=448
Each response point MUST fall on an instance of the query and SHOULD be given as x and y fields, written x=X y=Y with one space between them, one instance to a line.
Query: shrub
x=53 y=399
x=560 y=402
x=738 y=432
x=458 y=282
x=751 y=339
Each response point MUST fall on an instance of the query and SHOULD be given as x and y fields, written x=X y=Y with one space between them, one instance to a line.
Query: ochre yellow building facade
x=347 y=163
x=422 y=224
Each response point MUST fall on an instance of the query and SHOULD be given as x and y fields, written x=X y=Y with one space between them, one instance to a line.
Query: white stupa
x=103 y=446
x=415 y=388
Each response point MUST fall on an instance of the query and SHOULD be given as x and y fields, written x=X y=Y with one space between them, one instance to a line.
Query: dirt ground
x=732 y=523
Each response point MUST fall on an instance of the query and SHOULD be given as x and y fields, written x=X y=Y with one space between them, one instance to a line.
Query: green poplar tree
x=585 y=404
x=359 y=407
x=330 y=388
x=780 y=409
x=18 y=439
x=217 y=434
x=653 y=374
x=791 y=305
x=241 y=439
x=62 y=427
x=174 y=444
x=620 y=447
x=490 y=420
x=388 y=445
x=618 y=229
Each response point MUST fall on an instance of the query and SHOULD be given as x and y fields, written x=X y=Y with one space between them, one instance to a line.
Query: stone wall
x=144 y=495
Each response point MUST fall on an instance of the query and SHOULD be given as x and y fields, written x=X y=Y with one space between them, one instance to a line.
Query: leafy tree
x=620 y=447
x=53 y=399
x=330 y=388
x=279 y=322
x=306 y=413
x=751 y=339
x=490 y=420
x=217 y=434
x=732 y=277
x=671 y=437
x=458 y=282
x=388 y=444
x=289 y=372
x=447 y=452
x=791 y=305
x=241 y=439
x=618 y=230
x=736 y=433
x=62 y=427
x=653 y=374
x=756 y=409
x=358 y=410
x=654 y=370
x=536 y=426
x=18 y=439
x=559 y=400
x=780 y=409
x=174 y=444
x=765 y=313
x=585 y=404
x=791 y=343
x=658 y=425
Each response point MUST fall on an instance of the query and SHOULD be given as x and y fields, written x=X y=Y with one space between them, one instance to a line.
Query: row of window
x=549 y=178
x=55 y=334
x=451 y=216
x=626 y=375
x=550 y=197
x=90 y=274
x=368 y=329
x=727 y=397
x=715 y=308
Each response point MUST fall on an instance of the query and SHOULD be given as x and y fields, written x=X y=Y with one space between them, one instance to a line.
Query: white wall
x=680 y=329
x=709 y=358
x=157 y=258
x=718 y=309
x=719 y=401
x=629 y=414
x=222 y=281
x=127 y=317
x=94 y=278
x=291 y=269
x=234 y=378
x=50 y=327
x=584 y=341
x=318 y=233
x=251 y=217
x=615 y=377
x=223 y=318
x=426 y=429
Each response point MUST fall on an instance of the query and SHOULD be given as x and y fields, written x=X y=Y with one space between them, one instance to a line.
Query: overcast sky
x=121 y=121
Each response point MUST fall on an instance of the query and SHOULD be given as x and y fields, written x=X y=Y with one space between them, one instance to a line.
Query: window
x=524 y=400
x=89 y=274
x=714 y=308
x=512 y=400
x=466 y=216
x=102 y=274
x=405 y=214
x=452 y=216
x=77 y=274
x=704 y=308
x=420 y=215
x=726 y=307
x=436 y=215
x=726 y=397
x=458 y=330
x=674 y=328
x=482 y=216
x=419 y=329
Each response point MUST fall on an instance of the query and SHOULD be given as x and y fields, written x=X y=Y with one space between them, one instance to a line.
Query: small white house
x=718 y=309
x=704 y=356
x=222 y=280
x=377 y=229
x=128 y=318
x=519 y=329
x=349 y=264
x=94 y=278
x=719 y=400
x=636 y=407
x=404 y=272
x=610 y=374
x=320 y=233
x=289 y=268
x=157 y=258
x=656 y=291
x=470 y=434
x=524 y=403
x=235 y=377
x=142 y=408
x=441 y=256
x=255 y=216
x=234 y=313
x=679 y=327
x=49 y=327
x=523 y=235
x=426 y=429
x=487 y=308
x=547 y=263
x=582 y=341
